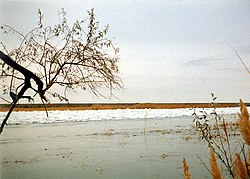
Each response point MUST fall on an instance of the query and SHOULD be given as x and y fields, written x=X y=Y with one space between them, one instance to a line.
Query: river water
x=122 y=144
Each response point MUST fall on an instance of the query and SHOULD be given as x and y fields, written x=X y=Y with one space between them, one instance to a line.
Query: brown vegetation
x=244 y=123
x=186 y=173
x=240 y=169
x=217 y=137
x=214 y=166
x=106 y=106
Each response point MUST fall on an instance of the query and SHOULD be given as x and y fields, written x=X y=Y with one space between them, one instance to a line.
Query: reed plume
x=240 y=169
x=187 y=175
x=244 y=123
x=214 y=167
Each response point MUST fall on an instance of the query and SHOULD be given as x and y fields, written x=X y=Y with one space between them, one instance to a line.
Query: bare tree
x=76 y=56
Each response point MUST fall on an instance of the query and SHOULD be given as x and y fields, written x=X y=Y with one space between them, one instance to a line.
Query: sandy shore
x=102 y=149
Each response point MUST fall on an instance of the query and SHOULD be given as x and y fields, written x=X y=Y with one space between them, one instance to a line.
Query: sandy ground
x=102 y=149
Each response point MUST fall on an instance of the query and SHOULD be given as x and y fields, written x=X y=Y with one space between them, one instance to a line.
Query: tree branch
x=28 y=75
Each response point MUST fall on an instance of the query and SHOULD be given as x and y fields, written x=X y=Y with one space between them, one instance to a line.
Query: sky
x=170 y=50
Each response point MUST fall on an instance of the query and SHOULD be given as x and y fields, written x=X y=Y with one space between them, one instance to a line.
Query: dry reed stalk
x=224 y=125
x=214 y=167
x=240 y=169
x=248 y=163
x=187 y=175
x=244 y=123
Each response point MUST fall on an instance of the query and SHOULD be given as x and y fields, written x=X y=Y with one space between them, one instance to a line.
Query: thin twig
x=239 y=58
x=44 y=105
x=204 y=164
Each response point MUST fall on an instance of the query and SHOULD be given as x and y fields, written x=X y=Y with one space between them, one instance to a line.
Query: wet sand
x=102 y=149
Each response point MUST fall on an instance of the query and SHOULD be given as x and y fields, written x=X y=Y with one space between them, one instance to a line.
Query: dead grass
x=186 y=172
x=244 y=123
x=107 y=106
x=221 y=148
x=214 y=166
x=240 y=169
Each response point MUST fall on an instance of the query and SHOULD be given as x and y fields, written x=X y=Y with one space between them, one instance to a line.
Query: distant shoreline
x=107 y=106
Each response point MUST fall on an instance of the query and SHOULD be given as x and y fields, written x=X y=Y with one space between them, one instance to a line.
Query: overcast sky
x=171 y=51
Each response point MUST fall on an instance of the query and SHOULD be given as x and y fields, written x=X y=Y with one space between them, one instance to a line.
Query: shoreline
x=111 y=106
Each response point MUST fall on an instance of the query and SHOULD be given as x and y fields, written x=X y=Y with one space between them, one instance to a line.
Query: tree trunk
x=28 y=75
